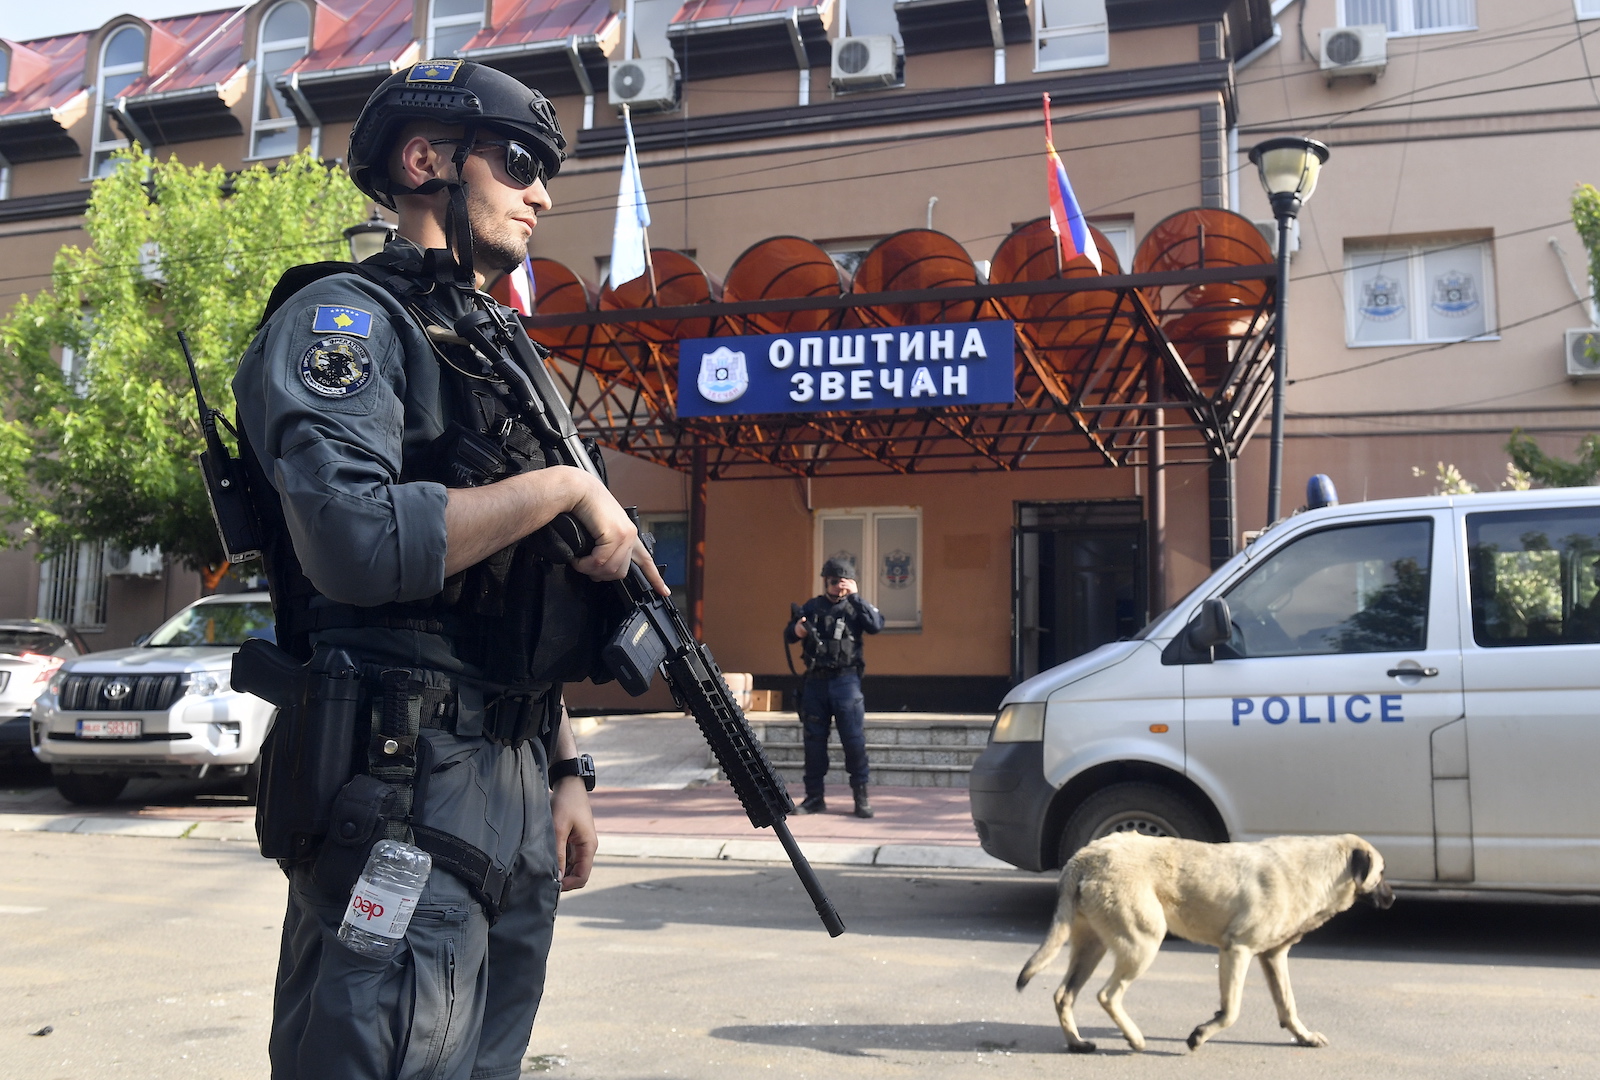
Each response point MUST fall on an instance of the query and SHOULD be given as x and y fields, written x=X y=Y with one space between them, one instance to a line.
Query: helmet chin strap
x=457 y=222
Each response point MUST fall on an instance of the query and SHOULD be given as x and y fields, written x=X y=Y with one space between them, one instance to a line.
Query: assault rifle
x=654 y=636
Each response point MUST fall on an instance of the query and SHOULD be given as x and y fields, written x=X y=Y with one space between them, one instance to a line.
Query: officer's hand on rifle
x=800 y=628
x=616 y=538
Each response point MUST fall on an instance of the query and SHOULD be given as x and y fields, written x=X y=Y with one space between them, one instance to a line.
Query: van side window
x=1533 y=576
x=1351 y=589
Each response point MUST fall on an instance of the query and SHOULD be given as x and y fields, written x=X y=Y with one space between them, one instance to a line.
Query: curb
x=902 y=856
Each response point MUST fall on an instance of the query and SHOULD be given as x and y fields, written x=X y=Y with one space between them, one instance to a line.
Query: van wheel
x=1141 y=808
x=90 y=789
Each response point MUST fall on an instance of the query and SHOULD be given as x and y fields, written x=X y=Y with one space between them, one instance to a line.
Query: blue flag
x=633 y=216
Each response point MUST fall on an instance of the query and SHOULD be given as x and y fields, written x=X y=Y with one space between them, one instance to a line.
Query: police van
x=1423 y=672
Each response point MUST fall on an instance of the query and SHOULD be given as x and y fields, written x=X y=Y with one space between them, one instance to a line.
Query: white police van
x=1424 y=672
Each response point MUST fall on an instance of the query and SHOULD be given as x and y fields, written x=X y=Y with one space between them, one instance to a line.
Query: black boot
x=863 y=807
x=812 y=805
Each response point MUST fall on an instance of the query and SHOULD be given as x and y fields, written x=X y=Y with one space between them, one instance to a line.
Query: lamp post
x=1288 y=167
x=369 y=237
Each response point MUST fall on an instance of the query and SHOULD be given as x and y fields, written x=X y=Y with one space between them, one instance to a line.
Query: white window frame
x=1124 y=241
x=1041 y=34
x=257 y=125
x=1587 y=9
x=1405 y=19
x=98 y=148
x=868 y=582
x=1416 y=280
x=449 y=22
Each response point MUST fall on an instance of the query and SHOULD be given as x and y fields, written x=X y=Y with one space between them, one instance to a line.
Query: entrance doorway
x=1077 y=580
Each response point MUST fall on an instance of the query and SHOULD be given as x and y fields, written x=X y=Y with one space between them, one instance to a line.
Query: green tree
x=106 y=450
x=1586 y=218
x=1548 y=471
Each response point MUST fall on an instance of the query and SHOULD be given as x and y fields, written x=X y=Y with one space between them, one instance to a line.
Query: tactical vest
x=522 y=619
x=832 y=645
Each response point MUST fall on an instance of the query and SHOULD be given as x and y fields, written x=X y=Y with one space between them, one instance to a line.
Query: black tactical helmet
x=456 y=92
x=839 y=566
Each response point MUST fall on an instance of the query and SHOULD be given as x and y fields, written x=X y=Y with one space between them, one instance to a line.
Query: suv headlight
x=207 y=683
x=59 y=677
x=1021 y=721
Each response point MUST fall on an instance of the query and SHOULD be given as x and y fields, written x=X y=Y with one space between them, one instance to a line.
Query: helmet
x=839 y=566
x=456 y=92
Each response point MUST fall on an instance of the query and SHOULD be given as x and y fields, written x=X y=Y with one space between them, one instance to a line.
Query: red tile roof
x=701 y=10
x=372 y=32
x=526 y=22
x=212 y=45
x=54 y=86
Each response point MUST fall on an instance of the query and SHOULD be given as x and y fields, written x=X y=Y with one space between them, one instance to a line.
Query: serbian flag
x=515 y=290
x=1066 y=217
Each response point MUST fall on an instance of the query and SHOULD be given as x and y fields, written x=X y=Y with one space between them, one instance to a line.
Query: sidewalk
x=656 y=798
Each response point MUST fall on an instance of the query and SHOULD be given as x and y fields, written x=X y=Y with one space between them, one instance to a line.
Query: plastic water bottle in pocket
x=385 y=898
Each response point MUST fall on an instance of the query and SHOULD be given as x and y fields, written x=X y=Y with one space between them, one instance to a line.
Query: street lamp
x=1289 y=168
x=369 y=237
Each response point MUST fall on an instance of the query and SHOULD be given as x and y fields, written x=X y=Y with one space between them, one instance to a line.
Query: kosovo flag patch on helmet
x=336 y=367
x=434 y=71
x=335 y=319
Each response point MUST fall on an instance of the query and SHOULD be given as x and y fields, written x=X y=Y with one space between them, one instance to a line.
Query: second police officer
x=830 y=628
x=403 y=488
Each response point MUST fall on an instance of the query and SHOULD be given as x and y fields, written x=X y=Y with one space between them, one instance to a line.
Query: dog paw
x=1195 y=1039
x=1312 y=1038
x=1136 y=1047
x=1081 y=1048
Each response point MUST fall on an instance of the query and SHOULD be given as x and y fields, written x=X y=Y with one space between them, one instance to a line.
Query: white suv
x=160 y=709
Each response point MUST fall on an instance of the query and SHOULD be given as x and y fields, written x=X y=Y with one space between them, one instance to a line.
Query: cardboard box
x=765 y=701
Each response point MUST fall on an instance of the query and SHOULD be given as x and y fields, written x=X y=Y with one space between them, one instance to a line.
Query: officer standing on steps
x=830 y=628
x=403 y=488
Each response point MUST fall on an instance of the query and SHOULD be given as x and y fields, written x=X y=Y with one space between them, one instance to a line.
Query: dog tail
x=1060 y=928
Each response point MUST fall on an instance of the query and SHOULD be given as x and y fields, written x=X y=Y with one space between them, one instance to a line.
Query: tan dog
x=1123 y=892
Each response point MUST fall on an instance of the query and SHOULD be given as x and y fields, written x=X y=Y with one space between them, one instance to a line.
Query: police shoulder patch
x=338 y=319
x=336 y=367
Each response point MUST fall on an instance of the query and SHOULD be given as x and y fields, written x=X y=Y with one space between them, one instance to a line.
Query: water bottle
x=385 y=898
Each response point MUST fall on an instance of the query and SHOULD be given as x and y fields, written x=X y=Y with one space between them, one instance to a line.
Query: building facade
x=1429 y=304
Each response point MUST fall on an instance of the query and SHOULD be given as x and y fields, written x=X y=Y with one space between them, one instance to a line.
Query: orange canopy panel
x=1217 y=313
x=911 y=260
x=558 y=290
x=786 y=268
x=678 y=282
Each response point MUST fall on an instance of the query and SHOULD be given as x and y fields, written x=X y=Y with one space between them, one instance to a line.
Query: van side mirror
x=1211 y=626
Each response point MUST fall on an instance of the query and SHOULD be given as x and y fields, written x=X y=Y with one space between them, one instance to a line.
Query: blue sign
x=902 y=367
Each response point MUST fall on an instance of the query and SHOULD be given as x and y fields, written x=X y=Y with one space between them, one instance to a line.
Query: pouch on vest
x=359 y=819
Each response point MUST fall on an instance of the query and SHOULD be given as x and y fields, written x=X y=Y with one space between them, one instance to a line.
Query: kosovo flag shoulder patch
x=433 y=71
x=336 y=319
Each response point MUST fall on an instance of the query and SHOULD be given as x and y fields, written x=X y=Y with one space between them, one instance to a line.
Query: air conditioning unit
x=648 y=84
x=1583 y=353
x=1355 y=50
x=865 y=61
x=140 y=562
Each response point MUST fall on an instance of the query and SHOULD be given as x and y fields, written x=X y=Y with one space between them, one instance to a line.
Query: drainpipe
x=997 y=37
x=293 y=86
x=800 y=57
x=120 y=111
x=584 y=83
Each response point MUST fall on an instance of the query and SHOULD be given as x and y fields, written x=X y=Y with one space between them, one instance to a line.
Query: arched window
x=285 y=35
x=121 y=65
x=451 y=24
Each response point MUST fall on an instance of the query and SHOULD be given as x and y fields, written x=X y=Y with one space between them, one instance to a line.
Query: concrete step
x=909 y=750
x=947 y=776
x=880 y=753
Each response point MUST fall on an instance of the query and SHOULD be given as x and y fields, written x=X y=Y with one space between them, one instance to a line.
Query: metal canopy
x=1194 y=320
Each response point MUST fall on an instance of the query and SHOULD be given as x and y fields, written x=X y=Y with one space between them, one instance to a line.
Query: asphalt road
x=154 y=958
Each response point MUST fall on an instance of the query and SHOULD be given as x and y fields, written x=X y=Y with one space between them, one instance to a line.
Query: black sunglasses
x=522 y=165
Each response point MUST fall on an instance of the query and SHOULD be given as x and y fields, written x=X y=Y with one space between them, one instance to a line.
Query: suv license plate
x=110 y=729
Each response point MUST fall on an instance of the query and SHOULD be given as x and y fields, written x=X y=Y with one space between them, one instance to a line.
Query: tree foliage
x=1586 y=217
x=107 y=452
x=1548 y=471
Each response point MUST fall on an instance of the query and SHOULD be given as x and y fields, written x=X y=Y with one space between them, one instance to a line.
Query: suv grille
x=121 y=693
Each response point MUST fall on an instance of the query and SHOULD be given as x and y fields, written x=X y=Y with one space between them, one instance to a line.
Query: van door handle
x=1424 y=672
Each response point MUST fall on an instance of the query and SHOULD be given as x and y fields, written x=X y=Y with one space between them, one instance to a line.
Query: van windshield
x=216 y=624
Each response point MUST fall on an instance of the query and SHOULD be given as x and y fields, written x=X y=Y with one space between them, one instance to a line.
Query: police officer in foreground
x=830 y=628
x=404 y=491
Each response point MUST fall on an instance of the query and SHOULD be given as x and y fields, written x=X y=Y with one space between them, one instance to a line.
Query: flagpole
x=1050 y=142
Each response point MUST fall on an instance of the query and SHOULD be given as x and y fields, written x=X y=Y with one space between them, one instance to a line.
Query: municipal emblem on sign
x=723 y=376
x=897 y=569
x=1454 y=294
x=1381 y=299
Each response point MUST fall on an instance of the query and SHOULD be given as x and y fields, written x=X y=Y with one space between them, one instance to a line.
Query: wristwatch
x=581 y=766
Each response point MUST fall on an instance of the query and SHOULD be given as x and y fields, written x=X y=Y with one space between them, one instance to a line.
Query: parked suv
x=160 y=709
x=30 y=652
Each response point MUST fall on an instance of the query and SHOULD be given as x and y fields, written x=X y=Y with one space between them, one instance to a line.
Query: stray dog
x=1123 y=892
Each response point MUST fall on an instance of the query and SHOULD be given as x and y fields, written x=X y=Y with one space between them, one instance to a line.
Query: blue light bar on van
x=1320 y=492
